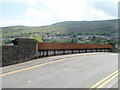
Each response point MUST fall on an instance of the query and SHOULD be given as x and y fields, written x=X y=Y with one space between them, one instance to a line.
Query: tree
x=37 y=37
x=74 y=40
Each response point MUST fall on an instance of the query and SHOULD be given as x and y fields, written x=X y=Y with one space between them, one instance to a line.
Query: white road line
x=52 y=74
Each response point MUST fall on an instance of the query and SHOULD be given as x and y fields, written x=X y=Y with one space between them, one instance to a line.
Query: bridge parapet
x=48 y=49
x=28 y=49
x=22 y=50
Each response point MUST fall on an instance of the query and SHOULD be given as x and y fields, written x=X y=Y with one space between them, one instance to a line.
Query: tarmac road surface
x=81 y=71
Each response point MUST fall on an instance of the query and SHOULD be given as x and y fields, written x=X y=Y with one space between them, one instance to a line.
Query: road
x=75 y=72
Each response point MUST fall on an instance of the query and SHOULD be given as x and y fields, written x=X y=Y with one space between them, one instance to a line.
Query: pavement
x=88 y=70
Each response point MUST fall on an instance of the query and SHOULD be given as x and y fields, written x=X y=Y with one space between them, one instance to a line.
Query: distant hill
x=89 y=26
x=92 y=27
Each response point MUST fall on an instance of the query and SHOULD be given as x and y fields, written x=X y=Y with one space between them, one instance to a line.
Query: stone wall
x=22 y=50
x=27 y=49
x=9 y=55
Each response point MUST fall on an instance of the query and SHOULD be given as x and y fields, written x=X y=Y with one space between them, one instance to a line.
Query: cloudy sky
x=46 y=12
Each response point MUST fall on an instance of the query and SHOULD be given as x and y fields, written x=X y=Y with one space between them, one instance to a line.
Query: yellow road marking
x=102 y=85
x=24 y=69
x=106 y=78
x=28 y=68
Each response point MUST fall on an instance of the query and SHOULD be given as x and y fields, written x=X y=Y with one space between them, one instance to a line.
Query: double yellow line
x=106 y=80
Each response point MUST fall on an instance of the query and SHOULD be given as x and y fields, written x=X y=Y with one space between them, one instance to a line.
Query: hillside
x=84 y=27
